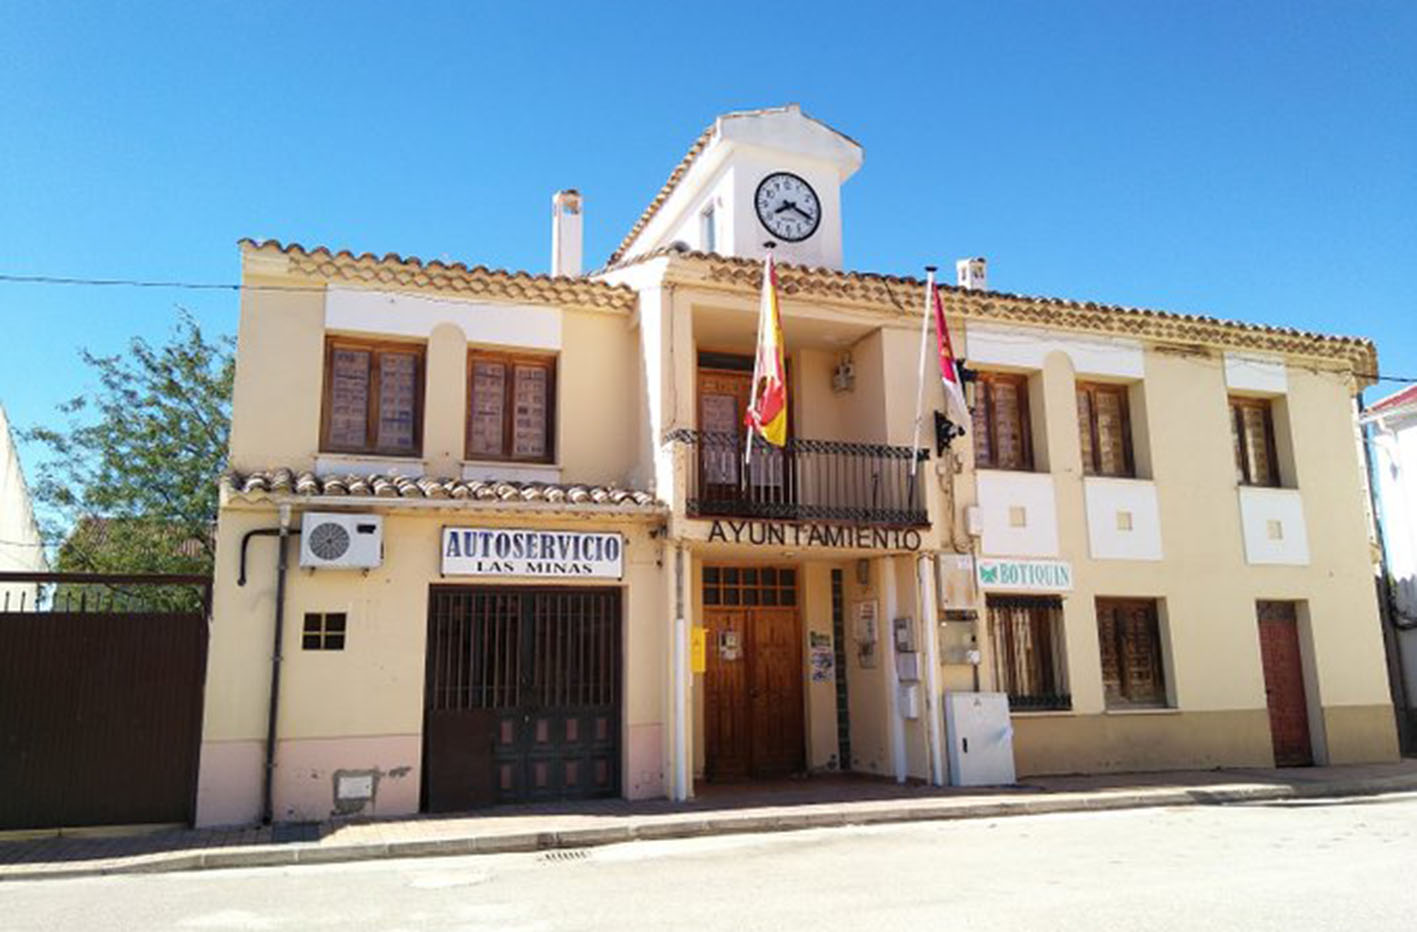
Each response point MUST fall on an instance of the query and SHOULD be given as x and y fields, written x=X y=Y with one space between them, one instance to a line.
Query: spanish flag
x=767 y=403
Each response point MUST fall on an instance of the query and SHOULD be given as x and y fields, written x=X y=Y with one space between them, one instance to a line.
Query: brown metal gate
x=523 y=695
x=101 y=683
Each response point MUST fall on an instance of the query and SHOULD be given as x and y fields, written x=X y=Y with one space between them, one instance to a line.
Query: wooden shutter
x=531 y=396
x=1086 y=420
x=347 y=398
x=1104 y=430
x=1111 y=433
x=1252 y=426
x=398 y=403
x=487 y=407
x=511 y=407
x=1001 y=423
x=983 y=445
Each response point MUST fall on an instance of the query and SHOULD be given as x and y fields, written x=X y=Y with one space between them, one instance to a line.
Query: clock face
x=788 y=206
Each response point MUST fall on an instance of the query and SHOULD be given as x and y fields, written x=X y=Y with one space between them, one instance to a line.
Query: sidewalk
x=794 y=804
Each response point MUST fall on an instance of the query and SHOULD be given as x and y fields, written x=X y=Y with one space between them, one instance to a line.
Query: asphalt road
x=1318 y=865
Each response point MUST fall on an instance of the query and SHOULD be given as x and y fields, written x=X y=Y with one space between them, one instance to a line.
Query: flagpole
x=920 y=377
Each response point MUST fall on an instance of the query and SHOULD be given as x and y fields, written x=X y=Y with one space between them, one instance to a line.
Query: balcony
x=806 y=480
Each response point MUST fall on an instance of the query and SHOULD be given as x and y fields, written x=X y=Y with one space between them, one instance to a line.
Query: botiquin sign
x=997 y=575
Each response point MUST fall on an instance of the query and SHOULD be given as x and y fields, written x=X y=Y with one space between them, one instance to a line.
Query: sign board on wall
x=524 y=552
x=1006 y=575
x=698 y=649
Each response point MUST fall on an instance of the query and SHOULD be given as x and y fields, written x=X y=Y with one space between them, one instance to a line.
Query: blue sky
x=1254 y=161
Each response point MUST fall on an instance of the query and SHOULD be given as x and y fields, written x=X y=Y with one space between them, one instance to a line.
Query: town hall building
x=490 y=537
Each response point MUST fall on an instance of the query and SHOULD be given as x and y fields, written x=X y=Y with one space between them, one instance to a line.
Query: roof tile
x=284 y=481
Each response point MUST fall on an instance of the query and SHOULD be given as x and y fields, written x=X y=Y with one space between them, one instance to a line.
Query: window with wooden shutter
x=1104 y=430
x=373 y=398
x=1129 y=638
x=1026 y=641
x=1002 y=438
x=511 y=407
x=1252 y=429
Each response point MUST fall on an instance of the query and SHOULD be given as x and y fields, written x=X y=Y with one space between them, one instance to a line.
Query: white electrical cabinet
x=981 y=739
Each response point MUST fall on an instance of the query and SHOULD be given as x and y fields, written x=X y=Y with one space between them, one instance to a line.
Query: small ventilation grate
x=329 y=541
x=570 y=854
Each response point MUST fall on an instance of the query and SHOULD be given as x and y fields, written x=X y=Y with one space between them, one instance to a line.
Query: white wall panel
x=1018 y=513
x=1123 y=520
x=1248 y=373
x=1026 y=348
x=387 y=313
x=1273 y=522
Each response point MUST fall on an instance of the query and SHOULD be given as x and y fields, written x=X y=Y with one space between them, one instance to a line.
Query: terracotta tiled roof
x=900 y=294
x=265 y=483
x=478 y=280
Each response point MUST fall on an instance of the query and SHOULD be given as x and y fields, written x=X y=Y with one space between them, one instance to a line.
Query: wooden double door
x=753 y=715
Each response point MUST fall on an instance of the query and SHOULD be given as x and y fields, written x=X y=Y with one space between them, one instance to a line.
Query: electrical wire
x=238 y=287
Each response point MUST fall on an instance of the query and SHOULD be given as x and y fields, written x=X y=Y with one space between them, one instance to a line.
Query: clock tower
x=755 y=175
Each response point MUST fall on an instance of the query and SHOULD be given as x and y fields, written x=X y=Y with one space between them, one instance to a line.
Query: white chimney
x=566 y=232
x=973 y=274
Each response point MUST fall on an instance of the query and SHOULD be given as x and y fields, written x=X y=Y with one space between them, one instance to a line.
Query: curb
x=525 y=842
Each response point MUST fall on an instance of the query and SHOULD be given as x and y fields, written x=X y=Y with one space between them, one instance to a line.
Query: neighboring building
x=1392 y=436
x=21 y=549
x=1154 y=522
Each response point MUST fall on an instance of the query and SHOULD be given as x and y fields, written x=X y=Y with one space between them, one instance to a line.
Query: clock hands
x=789 y=205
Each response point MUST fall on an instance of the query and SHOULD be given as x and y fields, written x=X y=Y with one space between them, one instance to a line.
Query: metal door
x=101 y=699
x=523 y=695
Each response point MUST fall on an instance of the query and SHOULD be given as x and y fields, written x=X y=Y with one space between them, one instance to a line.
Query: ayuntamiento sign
x=1005 y=575
x=471 y=551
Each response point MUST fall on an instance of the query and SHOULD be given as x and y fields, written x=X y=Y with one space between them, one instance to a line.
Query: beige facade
x=772 y=568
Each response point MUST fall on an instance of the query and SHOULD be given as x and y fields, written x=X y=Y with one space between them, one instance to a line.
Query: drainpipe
x=934 y=730
x=267 y=809
x=680 y=668
x=887 y=634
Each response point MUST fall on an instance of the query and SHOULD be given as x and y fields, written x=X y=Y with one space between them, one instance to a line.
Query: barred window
x=323 y=631
x=1026 y=640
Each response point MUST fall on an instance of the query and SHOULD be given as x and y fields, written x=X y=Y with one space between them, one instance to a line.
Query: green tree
x=129 y=485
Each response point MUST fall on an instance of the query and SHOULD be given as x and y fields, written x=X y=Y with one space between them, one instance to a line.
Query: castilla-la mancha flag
x=767 y=403
x=949 y=372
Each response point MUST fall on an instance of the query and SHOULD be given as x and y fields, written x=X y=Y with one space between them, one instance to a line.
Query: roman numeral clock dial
x=788 y=207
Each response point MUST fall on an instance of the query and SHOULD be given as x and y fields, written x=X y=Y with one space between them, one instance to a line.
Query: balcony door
x=724 y=389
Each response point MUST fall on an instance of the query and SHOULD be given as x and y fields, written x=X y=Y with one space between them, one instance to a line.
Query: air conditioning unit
x=339 y=541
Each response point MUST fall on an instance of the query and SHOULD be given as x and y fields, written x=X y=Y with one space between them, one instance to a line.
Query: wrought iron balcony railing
x=806 y=480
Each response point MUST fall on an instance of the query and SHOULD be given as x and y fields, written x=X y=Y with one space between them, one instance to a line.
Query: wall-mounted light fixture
x=844 y=376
